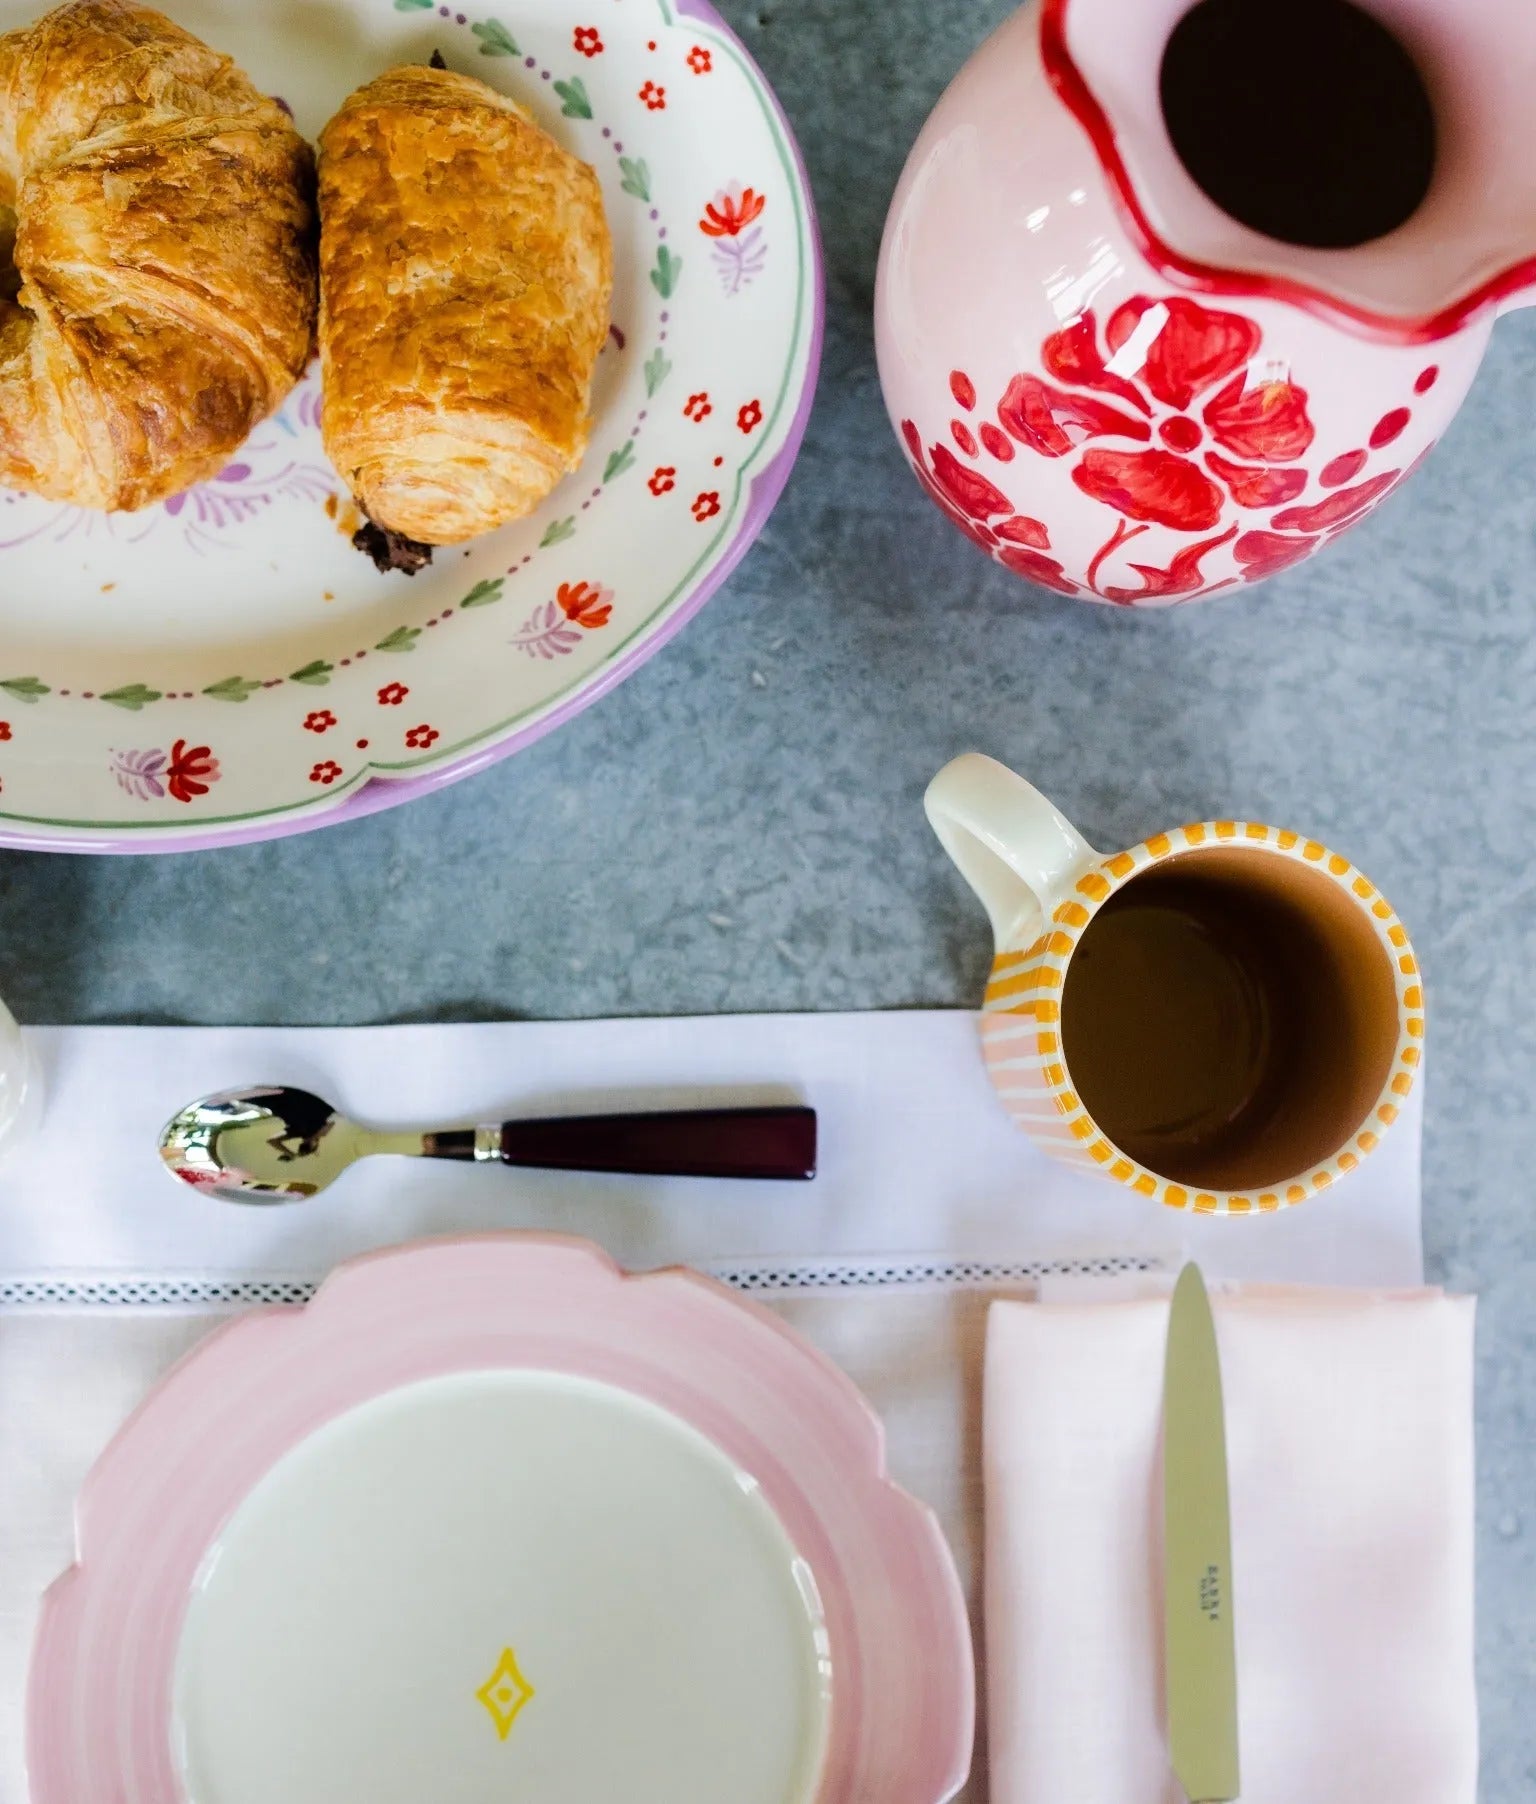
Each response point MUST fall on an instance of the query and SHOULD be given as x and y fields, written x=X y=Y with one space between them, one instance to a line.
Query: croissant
x=157 y=282
x=465 y=274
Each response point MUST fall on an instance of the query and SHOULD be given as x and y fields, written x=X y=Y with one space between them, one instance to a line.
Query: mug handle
x=1015 y=850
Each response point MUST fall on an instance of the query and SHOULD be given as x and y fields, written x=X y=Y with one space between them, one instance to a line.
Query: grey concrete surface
x=739 y=827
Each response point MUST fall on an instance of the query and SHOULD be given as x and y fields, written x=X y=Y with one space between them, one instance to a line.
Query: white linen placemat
x=923 y=1179
x=928 y=1204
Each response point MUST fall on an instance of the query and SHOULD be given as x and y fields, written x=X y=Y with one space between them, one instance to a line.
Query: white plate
x=226 y=666
x=624 y=1573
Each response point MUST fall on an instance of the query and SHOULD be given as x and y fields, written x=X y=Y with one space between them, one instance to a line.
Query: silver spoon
x=273 y=1144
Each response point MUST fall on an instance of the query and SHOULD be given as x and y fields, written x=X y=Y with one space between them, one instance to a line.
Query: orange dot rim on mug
x=1024 y=1005
x=1021 y=1014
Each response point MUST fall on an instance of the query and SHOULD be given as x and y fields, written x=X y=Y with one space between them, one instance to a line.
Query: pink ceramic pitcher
x=1125 y=394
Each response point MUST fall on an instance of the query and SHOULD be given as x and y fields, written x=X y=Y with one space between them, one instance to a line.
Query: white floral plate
x=227 y=667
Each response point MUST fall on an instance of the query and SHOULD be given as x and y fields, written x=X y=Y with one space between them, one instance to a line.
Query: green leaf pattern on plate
x=484 y=593
x=657 y=369
x=495 y=39
x=637 y=177
x=558 y=530
x=131 y=696
x=25 y=689
x=664 y=275
x=403 y=638
x=317 y=672
x=233 y=689
x=574 y=94
x=619 y=461
x=412 y=6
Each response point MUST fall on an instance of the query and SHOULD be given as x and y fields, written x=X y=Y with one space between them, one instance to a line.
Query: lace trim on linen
x=754 y=1277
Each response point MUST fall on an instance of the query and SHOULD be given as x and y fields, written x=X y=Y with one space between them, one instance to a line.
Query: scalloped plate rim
x=375 y=788
x=340 y=1309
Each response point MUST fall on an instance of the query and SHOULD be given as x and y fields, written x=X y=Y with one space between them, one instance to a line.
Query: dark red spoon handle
x=679 y=1143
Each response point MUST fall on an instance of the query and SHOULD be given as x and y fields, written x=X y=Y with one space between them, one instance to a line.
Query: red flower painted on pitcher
x=588 y=40
x=1171 y=414
x=1335 y=509
x=1265 y=553
x=1303 y=528
x=586 y=604
x=1182 y=576
x=190 y=771
x=700 y=60
x=971 y=501
x=731 y=211
x=1187 y=357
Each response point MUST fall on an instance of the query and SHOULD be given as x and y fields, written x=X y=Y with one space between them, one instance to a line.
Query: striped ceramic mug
x=1226 y=1017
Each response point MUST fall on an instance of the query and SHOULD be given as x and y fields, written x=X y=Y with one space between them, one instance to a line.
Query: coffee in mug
x=1226 y=1017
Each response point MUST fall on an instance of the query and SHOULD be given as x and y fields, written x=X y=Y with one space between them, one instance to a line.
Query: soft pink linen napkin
x=1349 y=1435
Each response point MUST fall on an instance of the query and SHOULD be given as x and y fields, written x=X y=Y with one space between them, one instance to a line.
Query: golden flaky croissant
x=157 y=297
x=465 y=270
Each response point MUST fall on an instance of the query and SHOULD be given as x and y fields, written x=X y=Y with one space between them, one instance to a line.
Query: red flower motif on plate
x=731 y=211
x=697 y=407
x=750 y=417
x=326 y=772
x=392 y=694
x=662 y=478
x=588 y=40
x=319 y=720
x=418 y=739
x=1193 y=364
x=706 y=506
x=654 y=96
x=586 y=604
x=700 y=60
x=191 y=769
x=5 y=729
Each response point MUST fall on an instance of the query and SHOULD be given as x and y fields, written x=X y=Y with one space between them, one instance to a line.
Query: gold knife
x=1200 y=1656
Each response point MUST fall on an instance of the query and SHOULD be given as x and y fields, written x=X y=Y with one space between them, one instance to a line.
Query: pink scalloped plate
x=488 y=1519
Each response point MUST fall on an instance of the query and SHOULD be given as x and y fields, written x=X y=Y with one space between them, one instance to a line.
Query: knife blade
x=1200 y=1658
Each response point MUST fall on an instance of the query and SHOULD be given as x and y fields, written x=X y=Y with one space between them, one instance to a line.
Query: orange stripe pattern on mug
x=1022 y=1037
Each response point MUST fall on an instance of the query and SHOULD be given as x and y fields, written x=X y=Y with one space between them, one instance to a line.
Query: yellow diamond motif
x=505 y=1692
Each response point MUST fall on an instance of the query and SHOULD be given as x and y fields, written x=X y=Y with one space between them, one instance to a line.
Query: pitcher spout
x=1375 y=166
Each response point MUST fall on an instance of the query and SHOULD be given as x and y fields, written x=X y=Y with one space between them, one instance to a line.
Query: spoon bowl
x=270 y=1144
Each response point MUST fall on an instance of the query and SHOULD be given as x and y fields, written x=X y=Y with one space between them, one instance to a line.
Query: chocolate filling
x=392 y=550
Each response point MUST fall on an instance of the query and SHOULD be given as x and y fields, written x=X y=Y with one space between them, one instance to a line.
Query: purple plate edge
x=378 y=793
